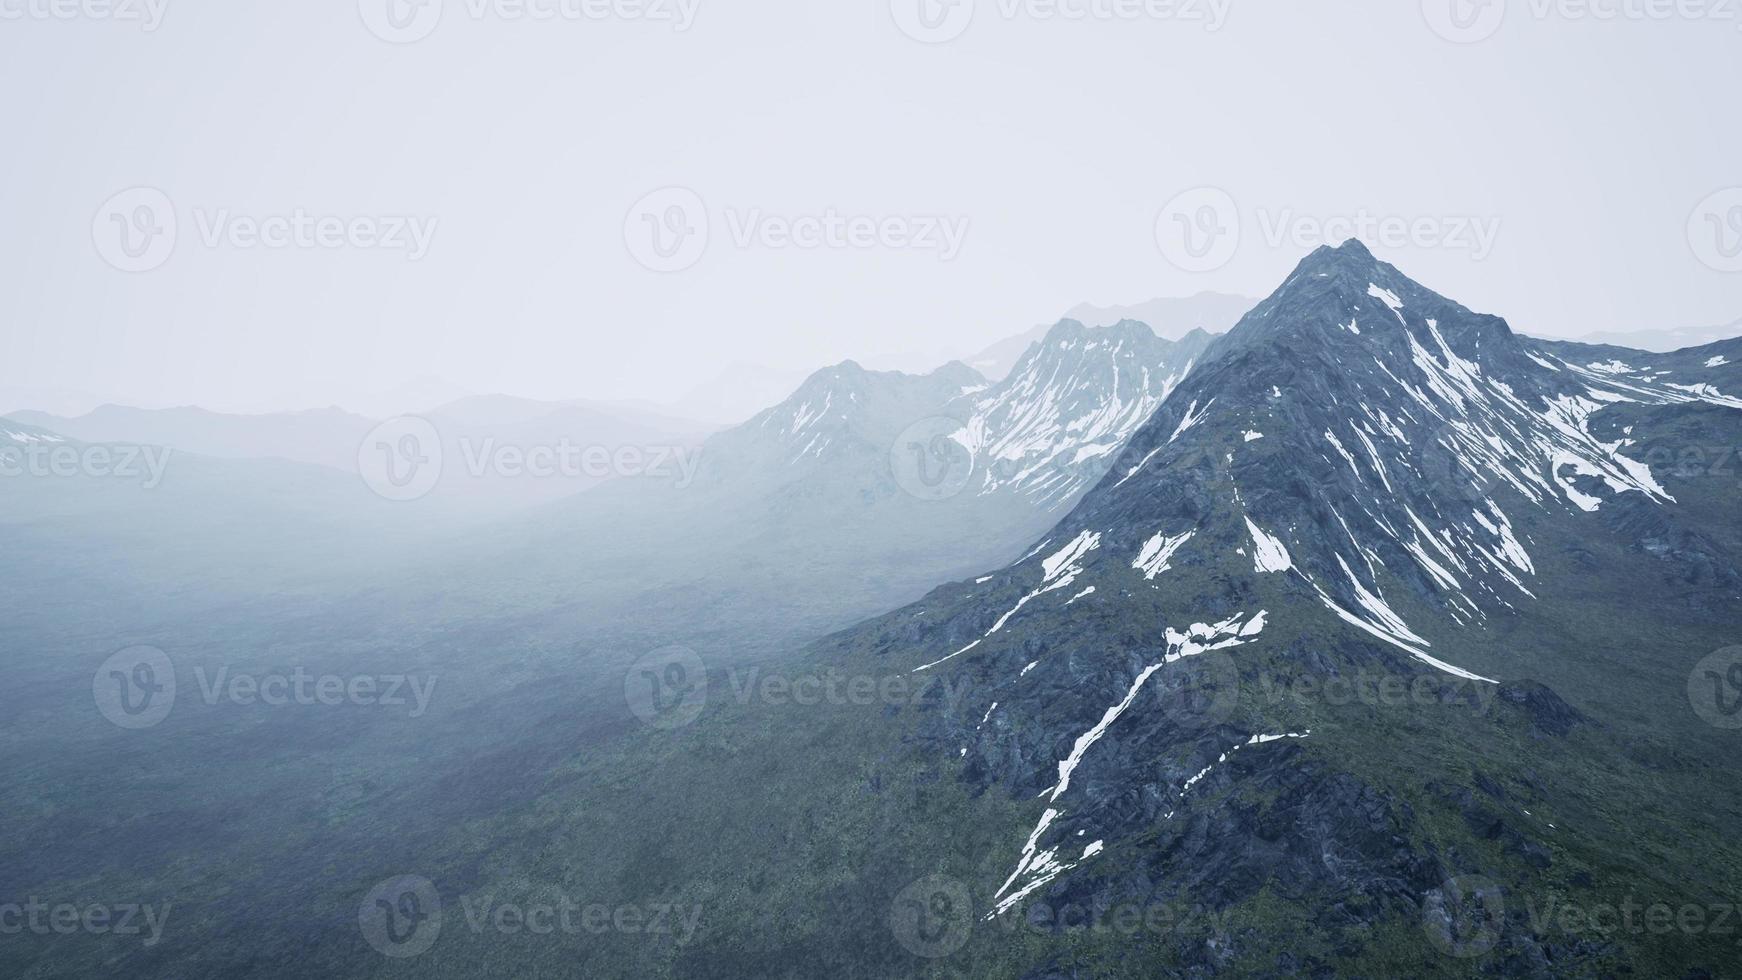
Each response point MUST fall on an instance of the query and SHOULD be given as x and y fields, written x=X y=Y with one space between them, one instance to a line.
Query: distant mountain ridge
x=1167 y=317
x=1661 y=341
x=333 y=438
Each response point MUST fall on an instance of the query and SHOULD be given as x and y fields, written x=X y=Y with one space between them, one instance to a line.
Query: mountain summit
x=1363 y=478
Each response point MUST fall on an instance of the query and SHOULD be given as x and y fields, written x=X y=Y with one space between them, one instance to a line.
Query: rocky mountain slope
x=1366 y=479
x=1377 y=651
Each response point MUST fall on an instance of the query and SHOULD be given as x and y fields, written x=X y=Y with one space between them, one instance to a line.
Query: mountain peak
x=1354 y=248
x=960 y=375
x=1069 y=330
x=1342 y=296
x=1351 y=258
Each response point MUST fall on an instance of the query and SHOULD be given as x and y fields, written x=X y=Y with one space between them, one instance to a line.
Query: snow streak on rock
x=1152 y=560
x=1058 y=572
x=1036 y=867
x=1268 y=553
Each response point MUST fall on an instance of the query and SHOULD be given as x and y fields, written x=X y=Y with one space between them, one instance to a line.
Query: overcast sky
x=959 y=173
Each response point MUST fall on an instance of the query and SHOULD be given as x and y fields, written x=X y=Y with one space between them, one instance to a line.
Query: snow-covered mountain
x=1050 y=428
x=1043 y=434
x=1362 y=476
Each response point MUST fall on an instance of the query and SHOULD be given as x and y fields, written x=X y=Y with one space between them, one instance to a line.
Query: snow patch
x=1152 y=560
x=1268 y=553
x=1387 y=297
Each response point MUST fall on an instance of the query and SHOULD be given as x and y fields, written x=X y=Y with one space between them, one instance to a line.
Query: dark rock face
x=1546 y=709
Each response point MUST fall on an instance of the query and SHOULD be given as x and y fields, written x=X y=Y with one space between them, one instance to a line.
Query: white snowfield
x=1152 y=560
x=1268 y=552
x=1033 y=433
x=1046 y=432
